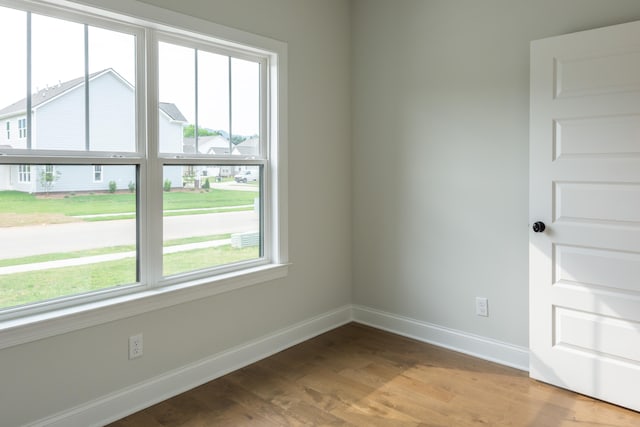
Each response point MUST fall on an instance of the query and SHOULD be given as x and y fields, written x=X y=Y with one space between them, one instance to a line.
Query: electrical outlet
x=135 y=346
x=482 y=306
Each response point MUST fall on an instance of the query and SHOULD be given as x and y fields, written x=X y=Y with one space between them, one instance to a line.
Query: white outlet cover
x=482 y=306
x=135 y=346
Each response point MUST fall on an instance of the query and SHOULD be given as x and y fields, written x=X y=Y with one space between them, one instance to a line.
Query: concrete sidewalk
x=211 y=210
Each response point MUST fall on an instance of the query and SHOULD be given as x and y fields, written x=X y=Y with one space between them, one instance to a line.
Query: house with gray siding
x=58 y=123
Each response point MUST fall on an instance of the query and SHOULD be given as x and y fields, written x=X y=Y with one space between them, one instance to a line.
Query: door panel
x=585 y=186
x=608 y=136
x=606 y=71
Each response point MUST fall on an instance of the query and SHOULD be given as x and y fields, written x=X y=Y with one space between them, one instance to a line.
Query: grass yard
x=23 y=288
x=18 y=208
x=22 y=209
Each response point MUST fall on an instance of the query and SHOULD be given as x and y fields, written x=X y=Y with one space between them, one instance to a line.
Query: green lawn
x=95 y=204
x=17 y=208
x=23 y=288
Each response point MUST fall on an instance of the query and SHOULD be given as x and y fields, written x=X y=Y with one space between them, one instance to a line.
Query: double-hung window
x=156 y=155
x=24 y=173
x=22 y=128
x=8 y=128
x=97 y=173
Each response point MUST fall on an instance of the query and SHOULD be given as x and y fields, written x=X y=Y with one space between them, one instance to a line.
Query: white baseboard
x=463 y=342
x=124 y=402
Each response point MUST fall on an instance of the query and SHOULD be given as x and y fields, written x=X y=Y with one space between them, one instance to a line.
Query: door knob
x=538 y=227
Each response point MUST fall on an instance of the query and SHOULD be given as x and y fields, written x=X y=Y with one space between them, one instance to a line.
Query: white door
x=585 y=187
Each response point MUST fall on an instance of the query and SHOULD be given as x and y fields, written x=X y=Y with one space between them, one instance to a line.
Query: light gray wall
x=440 y=153
x=50 y=375
x=436 y=178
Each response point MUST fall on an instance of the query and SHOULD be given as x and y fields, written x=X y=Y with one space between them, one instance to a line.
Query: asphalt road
x=18 y=242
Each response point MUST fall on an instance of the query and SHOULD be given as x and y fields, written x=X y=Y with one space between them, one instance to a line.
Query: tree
x=48 y=177
x=237 y=139
x=189 y=131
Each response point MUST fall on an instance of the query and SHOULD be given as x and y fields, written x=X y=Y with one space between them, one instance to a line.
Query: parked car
x=246 y=176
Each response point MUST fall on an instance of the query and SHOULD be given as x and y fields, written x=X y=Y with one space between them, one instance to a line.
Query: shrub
x=132 y=187
x=167 y=185
x=207 y=184
x=112 y=186
x=48 y=177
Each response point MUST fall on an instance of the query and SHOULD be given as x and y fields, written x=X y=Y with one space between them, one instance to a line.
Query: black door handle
x=538 y=227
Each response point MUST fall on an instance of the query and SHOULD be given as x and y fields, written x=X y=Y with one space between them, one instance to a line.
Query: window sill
x=44 y=325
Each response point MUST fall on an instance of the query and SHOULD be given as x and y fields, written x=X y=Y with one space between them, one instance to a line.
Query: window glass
x=57 y=84
x=68 y=236
x=71 y=162
x=218 y=100
x=245 y=107
x=177 y=96
x=22 y=128
x=63 y=56
x=111 y=66
x=212 y=219
x=213 y=104
x=97 y=173
x=13 y=78
x=24 y=173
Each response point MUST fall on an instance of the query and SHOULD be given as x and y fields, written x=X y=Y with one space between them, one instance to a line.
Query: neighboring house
x=58 y=122
x=218 y=144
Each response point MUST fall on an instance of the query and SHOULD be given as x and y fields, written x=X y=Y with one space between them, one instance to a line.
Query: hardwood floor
x=357 y=375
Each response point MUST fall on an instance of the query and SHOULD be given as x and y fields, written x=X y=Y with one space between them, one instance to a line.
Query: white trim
x=22 y=128
x=24 y=173
x=463 y=342
x=101 y=173
x=129 y=400
x=54 y=322
x=124 y=402
x=139 y=13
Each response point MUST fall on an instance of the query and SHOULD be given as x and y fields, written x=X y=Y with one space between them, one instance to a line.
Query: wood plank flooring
x=359 y=376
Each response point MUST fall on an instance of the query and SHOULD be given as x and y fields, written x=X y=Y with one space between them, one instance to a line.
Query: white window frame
x=42 y=320
x=22 y=128
x=24 y=174
x=8 y=128
x=98 y=169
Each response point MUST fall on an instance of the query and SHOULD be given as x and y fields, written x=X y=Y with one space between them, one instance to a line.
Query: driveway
x=77 y=236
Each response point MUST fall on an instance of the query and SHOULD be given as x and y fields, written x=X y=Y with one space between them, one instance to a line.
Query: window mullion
x=29 y=101
x=230 y=111
x=150 y=225
x=196 y=118
x=87 y=144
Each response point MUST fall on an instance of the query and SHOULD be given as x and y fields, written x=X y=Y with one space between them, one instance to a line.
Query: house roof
x=50 y=93
x=172 y=111
x=47 y=94
x=249 y=147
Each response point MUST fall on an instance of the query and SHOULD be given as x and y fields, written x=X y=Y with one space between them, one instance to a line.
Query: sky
x=58 y=55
